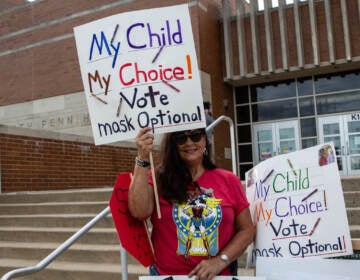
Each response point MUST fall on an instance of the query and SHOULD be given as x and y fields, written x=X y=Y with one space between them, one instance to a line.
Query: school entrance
x=273 y=139
x=278 y=138
x=344 y=132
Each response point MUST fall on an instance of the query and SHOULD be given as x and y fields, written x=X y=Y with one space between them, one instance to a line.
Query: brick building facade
x=42 y=91
x=244 y=52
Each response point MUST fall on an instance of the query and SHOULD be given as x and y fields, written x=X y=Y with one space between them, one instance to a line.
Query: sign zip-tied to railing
x=139 y=69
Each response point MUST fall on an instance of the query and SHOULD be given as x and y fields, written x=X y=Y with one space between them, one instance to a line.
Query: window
x=243 y=114
x=244 y=134
x=337 y=103
x=245 y=153
x=278 y=90
x=336 y=82
x=306 y=106
x=274 y=110
x=241 y=95
x=308 y=127
x=305 y=87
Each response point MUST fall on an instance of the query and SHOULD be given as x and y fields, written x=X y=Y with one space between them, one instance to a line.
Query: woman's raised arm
x=141 y=194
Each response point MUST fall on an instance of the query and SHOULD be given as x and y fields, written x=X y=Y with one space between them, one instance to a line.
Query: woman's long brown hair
x=172 y=174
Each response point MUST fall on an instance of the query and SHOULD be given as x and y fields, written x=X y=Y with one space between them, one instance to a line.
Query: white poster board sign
x=140 y=69
x=185 y=277
x=297 y=202
x=307 y=269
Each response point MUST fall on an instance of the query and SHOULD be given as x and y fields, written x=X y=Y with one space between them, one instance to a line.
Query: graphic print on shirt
x=197 y=223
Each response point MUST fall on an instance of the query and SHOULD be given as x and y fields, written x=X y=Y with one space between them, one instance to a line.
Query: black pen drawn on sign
x=158 y=53
x=98 y=98
x=170 y=85
x=119 y=107
x=114 y=34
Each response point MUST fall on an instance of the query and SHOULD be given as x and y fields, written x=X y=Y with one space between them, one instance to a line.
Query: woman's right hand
x=144 y=142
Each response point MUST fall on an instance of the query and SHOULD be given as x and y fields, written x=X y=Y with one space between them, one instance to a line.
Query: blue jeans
x=153 y=271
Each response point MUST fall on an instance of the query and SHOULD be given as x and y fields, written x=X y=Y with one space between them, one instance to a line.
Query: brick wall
x=30 y=163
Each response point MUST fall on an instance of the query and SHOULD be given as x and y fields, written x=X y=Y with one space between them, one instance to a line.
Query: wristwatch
x=225 y=258
x=142 y=163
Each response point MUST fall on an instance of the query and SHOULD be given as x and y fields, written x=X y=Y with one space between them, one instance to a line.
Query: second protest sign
x=297 y=202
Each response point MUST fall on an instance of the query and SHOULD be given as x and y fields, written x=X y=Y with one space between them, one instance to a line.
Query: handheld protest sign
x=139 y=69
x=132 y=233
x=297 y=202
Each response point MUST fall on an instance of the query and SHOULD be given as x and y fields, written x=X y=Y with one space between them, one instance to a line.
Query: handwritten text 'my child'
x=150 y=38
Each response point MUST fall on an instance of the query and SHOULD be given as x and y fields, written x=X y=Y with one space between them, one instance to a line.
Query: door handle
x=342 y=150
x=347 y=148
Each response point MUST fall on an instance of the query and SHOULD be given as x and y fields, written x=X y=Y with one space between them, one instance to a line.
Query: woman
x=205 y=224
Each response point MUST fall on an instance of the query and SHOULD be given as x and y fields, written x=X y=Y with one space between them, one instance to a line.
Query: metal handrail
x=48 y=259
x=232 y=138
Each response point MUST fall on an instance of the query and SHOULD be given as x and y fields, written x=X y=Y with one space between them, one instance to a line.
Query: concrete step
x=76 y=253
x=352 y=198
x=351 y=183
x=354 y=231
x=356 y=243
x=353 y=215
x=93 y=207
x=96 y=194
x=85 y=271
x=53 y=220
x=34 y=224
x=60 y=270
x=58 y=235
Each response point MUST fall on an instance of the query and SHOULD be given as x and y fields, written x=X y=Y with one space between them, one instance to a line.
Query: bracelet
x=142 y=163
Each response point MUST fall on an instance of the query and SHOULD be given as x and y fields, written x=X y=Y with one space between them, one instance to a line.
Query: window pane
x=306 y=107
x=307 y=143
x=273 y=91
x=336 y=103
x=354 y=144
x=355 y=163
x=331 y=128
x=274 y=110
x=336 y=82
x=264 y=135
x=266 y=150
x=287 y=133
x=244 y=134
x=243 y=169
x=305 y=86
x=308 y=127
x=243 y=114
x=245 y=153
x=241 y=95
x=354 y=126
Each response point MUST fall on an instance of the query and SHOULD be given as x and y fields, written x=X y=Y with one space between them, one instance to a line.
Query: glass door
x=288 y=138
x=331 y=130
x=264 y=141
x=275 y=139
x=344 y=132
x=352 y=127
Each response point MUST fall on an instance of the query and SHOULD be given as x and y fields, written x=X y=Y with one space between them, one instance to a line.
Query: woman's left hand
x=208 y=269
